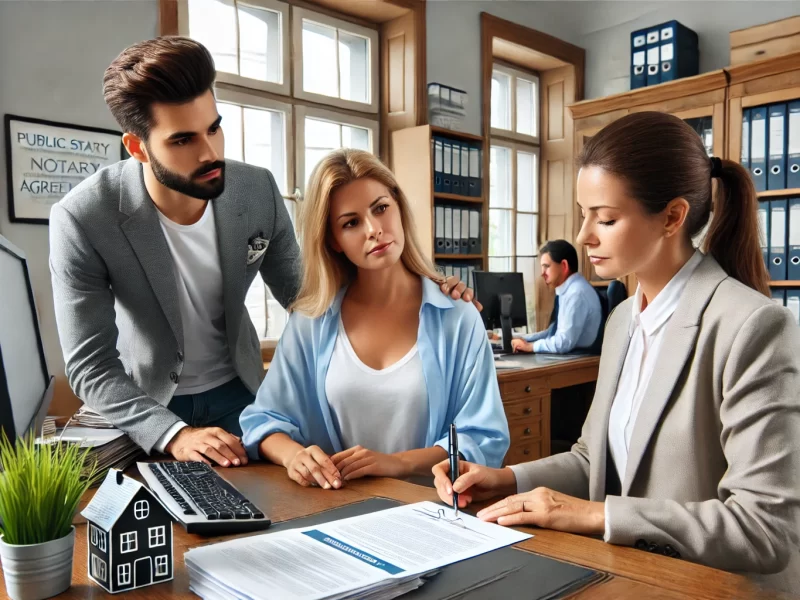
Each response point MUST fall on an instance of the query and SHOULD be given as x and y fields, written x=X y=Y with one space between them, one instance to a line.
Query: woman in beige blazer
x=692 y=445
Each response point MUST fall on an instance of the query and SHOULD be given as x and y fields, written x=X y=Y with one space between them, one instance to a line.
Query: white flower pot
x=38 y=571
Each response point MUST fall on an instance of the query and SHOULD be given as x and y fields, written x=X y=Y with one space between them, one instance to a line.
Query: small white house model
x=129 y=535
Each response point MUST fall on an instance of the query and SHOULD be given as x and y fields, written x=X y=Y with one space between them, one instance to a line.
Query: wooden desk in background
x=526 y=395
x=635 y=574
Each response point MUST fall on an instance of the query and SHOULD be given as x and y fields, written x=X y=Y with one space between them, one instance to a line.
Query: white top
x=646 y=335
x=198 y=277
x=383 y=410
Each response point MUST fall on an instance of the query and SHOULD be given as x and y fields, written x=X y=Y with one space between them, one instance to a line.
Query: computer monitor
x=503 y=298
x=26 y=386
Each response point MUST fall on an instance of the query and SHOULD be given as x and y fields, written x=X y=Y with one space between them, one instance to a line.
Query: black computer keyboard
x=201 y=500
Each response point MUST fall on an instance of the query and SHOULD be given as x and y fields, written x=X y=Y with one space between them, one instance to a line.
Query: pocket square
x=255 y=249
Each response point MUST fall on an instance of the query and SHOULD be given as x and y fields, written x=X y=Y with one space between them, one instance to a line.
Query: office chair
x=615 y=294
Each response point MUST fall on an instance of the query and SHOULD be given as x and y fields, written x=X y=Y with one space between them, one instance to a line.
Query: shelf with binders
x=462 y=269
x=441 y=173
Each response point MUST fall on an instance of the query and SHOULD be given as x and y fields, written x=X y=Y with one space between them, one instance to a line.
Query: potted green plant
x=40 y=487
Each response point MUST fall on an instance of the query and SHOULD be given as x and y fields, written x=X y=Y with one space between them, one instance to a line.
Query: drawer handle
x=527 y=389
x=527 y=431
x=527 y=410
x=526 y=451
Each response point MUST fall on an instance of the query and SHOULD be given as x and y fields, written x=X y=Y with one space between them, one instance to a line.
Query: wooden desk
x=635 y=573
x=526 y=394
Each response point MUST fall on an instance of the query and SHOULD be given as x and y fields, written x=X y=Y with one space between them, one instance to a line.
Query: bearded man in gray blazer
x=151 y=259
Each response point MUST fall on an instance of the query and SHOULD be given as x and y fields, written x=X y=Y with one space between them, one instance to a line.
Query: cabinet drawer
x=524 y=408
x=524 y=431
x=524 y=452
x=524 y=388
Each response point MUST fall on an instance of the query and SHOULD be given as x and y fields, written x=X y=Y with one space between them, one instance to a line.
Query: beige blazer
x=714 y=460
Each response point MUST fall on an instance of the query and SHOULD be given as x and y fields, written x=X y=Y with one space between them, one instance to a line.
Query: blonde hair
x=326 y=271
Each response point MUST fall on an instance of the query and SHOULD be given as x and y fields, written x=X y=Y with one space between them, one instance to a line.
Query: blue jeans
x=219 y=407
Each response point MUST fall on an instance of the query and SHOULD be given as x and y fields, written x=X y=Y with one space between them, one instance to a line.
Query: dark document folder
x=505 y=573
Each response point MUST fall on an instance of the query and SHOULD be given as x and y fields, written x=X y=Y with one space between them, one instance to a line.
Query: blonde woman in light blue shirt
x=375 y=362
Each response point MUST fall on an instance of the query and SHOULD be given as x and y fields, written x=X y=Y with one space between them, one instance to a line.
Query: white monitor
x=25 y=383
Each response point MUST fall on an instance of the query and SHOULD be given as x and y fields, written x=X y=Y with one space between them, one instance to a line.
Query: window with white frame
x=330 y=103
x=162 y=567
x=128 y=542
x=98 y=568
x=141 y=509
x=101 y=540
x=157 y=536
x=93 y=534
x=124 y=574
x=514 y=178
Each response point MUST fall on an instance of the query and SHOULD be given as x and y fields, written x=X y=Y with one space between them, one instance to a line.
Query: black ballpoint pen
x=454 y=462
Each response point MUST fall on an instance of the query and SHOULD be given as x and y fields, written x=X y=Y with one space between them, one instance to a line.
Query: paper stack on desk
x=110 y=447
x=378 y=556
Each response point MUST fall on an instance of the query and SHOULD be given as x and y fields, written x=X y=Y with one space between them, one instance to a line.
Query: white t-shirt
x=384 y=410
x=198 y=276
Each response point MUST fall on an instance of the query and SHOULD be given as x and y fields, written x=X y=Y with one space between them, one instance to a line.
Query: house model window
x=128 y=542
x=162 y=567
x=157 y=536
x=141 y=509
x=124 y=574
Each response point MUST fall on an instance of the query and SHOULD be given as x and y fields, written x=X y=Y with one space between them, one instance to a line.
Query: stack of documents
x=378 y=556
x=109 y=446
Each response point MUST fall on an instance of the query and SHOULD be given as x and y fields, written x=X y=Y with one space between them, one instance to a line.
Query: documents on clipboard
x=379 y=556
x=109 y=446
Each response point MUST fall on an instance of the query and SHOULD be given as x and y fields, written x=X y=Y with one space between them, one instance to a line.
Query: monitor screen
x=488 y=288
x=23 y=369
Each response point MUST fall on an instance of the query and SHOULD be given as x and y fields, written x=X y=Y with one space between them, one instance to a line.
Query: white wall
x=601 y=27
x=52 y=59
x=606 y=28
x=454 y=41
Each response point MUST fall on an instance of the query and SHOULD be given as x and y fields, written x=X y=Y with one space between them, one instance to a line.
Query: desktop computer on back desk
x=26 y=387
x=503 y=298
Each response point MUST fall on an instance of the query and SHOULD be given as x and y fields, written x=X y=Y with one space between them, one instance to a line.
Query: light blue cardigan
x=457 y=364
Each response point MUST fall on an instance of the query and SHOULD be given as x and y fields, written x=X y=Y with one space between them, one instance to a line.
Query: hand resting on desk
x=204 y=443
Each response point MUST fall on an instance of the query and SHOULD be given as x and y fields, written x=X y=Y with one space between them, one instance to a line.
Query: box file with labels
x=438 y=165
x=679 y=52
x=447 y=167
x=758 y=147
x=793 y=146
x=448 y=230
x=793 y=242
x=776 y=160
x=745 y=154
x=464 y=231
x=763 y=221
x=793 y=304
x=475 y=171
x=779 y=297
x=653 y=48
x=475 y=246
x=456 y=230
x=638 y=59
x=456 y=168
x=438 y=224
x=777 y=244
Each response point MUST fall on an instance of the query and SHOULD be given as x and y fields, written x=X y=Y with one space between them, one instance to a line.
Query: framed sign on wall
x=46 y=159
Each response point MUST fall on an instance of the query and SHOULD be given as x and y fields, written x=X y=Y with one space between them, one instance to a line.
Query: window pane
x=265 y=142
x=526 y=234
x=260 y=44
x=500 y=265
x=355 y=137
x=500 y=177
x=320 y=72
x=232 y=128
x=321 y=138
x=353 y=67
x=526 y=107
x=213 y=23
x=499 y=232
x=255 y=302
x=527 y=182
x=527 y=266
x=277 y=317
x=501 y=100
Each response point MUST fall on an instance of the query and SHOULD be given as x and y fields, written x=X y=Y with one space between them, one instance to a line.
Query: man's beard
x=203 y=190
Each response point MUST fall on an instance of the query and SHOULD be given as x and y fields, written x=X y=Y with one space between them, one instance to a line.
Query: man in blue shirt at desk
x=577 y=316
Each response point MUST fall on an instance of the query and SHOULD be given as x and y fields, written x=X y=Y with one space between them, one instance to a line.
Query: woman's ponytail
x=734 y=236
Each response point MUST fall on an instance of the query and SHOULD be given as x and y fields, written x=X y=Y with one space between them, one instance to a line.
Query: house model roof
x=111 y=499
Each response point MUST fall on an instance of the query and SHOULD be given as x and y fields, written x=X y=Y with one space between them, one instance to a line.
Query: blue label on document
x=354 y=552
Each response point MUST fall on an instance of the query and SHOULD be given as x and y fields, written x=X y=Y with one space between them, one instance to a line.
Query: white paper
x=346 y=558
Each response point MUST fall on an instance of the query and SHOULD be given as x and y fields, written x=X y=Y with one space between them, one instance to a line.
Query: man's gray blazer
x=116 y=298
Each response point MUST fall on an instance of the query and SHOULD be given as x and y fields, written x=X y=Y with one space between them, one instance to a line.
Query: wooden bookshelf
x=457 y=198
x=779 y=193
x=459 y=135
x=458 y=256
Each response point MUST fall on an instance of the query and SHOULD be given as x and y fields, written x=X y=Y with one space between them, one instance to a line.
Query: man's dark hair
x=168 y=69
x=561 y=250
